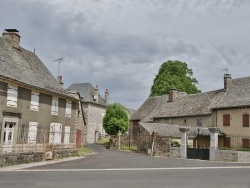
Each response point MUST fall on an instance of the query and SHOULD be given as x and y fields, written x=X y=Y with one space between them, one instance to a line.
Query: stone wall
x=174 y=152
x=59 y=154
x=20 y=158
x=232 y=156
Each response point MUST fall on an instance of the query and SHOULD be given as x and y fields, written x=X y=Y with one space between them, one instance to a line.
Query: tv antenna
x=225 y=70
x=59 y=61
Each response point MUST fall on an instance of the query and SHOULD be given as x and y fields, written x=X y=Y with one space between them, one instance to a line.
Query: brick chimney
x=227 y=81
x=107 y=96
x=173 y=93
x=60 y=80
x=96 y=93
x=12 y=36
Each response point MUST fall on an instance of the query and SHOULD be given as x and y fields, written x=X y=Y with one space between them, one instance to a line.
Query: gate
x=196 y=153
x=200 y=148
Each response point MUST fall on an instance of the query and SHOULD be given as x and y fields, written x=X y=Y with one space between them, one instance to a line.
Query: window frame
x=245 y=120
x=68 y=109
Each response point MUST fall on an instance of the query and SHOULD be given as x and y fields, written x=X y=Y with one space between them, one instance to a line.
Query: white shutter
x=55 y=133
x=34 y=103
x=54 y=106
x=32 y=132
x=12 y=96
x=68 y=109
x=66 y=134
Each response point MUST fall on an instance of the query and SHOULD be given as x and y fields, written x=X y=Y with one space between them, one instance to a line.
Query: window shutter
x=68 y=109
x=54 y=106
x=66 y=134
x=226 y=142
x=32 y=132
x=245 y=120
x=12 y=96
x=245 y=143
x=226 y=120
x=34 y=103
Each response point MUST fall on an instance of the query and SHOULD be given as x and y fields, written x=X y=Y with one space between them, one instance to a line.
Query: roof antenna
x=59 y=61
x=225 y=70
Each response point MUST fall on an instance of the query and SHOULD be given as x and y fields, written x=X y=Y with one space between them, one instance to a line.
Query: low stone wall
x=59 y=154
x=232 y=156
x=10 y=159
x=175 y=152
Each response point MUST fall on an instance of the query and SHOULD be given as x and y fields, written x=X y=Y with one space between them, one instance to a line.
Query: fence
x=26 y=140
x=237 y=141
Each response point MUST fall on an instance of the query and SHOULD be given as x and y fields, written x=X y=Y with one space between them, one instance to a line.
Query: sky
x=121 y=44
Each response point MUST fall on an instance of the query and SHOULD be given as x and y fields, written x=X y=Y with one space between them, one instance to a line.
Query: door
x=8 y=137
x=55 y=133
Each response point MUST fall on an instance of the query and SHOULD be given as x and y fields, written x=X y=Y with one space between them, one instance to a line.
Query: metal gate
x=196 y=153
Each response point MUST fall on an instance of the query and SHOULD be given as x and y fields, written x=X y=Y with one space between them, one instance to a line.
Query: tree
x=115 y=119
x=174 y=75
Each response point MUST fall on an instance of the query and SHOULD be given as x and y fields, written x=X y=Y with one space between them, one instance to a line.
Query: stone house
x=94 y=108
x=34 y=108
x=226 y=108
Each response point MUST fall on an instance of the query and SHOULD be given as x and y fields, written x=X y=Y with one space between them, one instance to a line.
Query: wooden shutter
x=54 y=106
x=226 y=142
x=226 y=120
x=68 y=109
x=66 y=134
x=12 y=96
x=34 y=101
x=245 y=120
x=245 y=143
x=32 y=132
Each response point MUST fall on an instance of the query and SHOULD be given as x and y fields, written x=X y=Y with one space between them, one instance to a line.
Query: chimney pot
x=60 y=80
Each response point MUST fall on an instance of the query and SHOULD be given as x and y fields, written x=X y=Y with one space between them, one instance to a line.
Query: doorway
x=8 y=136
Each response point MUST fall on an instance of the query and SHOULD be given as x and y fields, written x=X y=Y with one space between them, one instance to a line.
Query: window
x=226 y=120
x=245 y=120
x=32 y=132
x=226 y=142
x=246 y=143
x=68 y=109
x=66 y=134
x=199 y=122
x=12 y=96
x=54 y=106
x=34 y=103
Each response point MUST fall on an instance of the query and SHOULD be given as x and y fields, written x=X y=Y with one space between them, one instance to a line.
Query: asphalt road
x=115 y=169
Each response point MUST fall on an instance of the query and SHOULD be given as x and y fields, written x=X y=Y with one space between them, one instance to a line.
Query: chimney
x=227 y=81
x=96 y=93
x=107 y=96
x=60 y=80
x=12 y=36
x=173 y=93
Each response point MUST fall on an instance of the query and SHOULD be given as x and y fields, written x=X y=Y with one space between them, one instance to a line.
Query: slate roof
x=87 y=92
x=237 y=95
x=23 y=66
x=173 y=130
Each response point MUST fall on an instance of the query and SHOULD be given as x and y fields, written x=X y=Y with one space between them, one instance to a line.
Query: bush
x=175 y=144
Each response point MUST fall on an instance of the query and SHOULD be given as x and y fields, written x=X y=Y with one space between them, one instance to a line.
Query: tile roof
x=25 y=67
x=87 y=92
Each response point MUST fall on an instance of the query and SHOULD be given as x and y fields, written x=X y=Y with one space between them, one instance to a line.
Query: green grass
x=82 y=151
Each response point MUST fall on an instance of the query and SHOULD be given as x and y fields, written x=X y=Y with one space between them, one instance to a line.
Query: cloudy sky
x=120 y=44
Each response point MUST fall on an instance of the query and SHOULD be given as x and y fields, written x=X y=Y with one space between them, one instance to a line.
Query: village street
x=113 y=169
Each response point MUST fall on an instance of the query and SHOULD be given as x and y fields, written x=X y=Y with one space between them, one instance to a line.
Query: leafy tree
x=174 y=75
x=115 y=119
